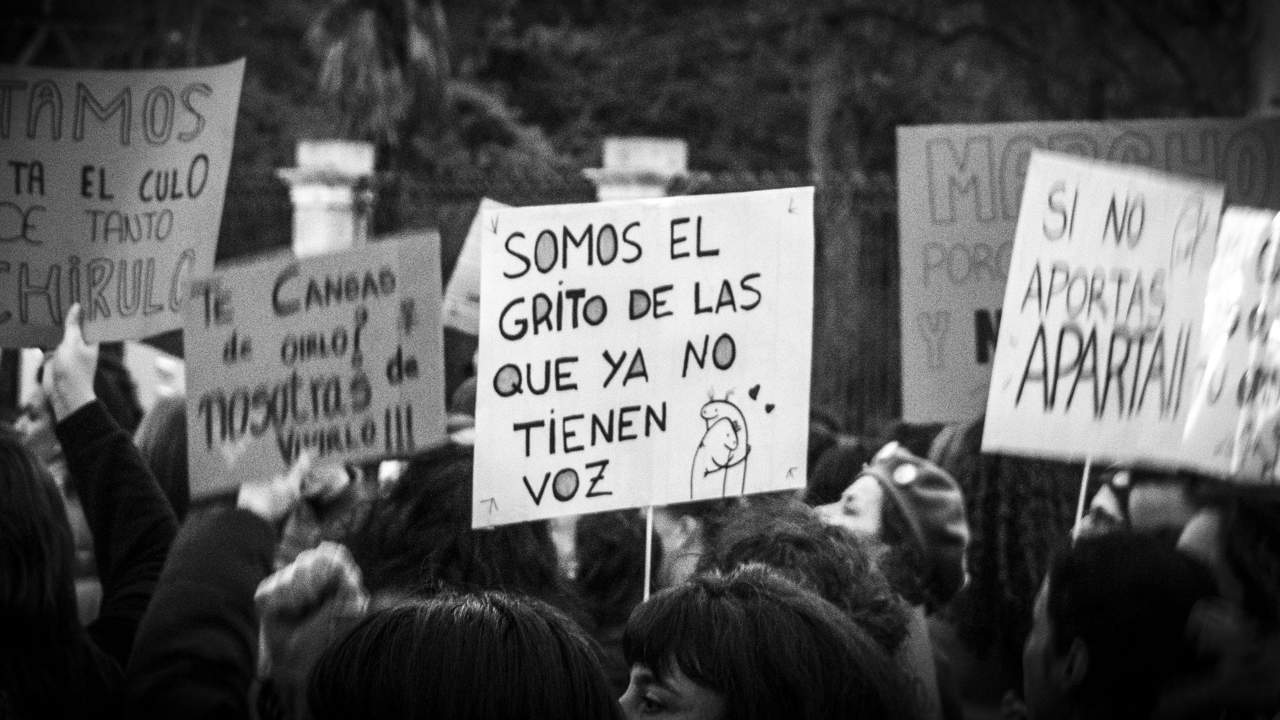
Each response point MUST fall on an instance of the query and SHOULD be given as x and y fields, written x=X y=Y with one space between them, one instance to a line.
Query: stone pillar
x=332 y=195
x=638 y=167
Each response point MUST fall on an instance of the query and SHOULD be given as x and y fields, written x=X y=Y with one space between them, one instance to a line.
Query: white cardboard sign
x=340 y=355
x=1102 y=313
x=642 y=352
x=462 y=294
x=959 y=187
x=112 y=195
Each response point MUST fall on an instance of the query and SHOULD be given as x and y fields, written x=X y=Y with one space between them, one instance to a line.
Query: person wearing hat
x=913 y=511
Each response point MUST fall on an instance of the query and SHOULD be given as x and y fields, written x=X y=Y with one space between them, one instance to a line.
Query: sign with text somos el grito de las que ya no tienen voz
x=1102 y=312
x=642 y=353
x=112 y=195
x=339 y=355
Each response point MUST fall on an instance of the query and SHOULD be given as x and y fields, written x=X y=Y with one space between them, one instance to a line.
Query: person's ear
x=1075 y=667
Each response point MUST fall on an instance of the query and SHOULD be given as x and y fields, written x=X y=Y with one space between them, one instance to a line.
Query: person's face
x=1159 y=505
x=36 y=425
x=858 y=508
x=675 y=697
x=1040 y=690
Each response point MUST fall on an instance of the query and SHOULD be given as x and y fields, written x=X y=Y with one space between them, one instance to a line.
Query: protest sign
x=1232 y=427
x=958 y=192
x=337 y=354
x=642 y=352
x=112 y=196
x=1102 y=313
x=462 y=294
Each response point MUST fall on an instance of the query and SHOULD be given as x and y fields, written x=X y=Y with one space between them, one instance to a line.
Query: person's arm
x=195 y=656
x=129 y=517
x=196 y=648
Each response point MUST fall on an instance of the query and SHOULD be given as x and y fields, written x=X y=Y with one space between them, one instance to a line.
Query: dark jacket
x=133 y=527
x=195 y=656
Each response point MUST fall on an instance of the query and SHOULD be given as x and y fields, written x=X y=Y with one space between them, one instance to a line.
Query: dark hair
x=767 y=647
x=1127 y=596
x=1018 y=511
x=610 y=549
x=902 y=560
x=162 y=440
x=38 y=614
x=837 y=468
x=1251 y=546
x=917 y=438
x=418 y=539
x=710 y=514
x=789 y=537
x=486 y=656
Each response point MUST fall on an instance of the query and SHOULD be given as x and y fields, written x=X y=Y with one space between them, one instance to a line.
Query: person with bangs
x=751 y=644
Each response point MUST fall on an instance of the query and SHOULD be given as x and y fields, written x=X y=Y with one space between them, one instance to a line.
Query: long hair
x=485 y=656
x=789 y=537
x=418 y=540
x=767 y=647
x=39 y=626
x=162 y=440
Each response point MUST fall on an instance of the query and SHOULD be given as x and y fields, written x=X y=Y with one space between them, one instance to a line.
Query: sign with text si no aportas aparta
x=642 y=353
x=339 y=355
x=112 y=195
x=1102 y=312
x=959 y=187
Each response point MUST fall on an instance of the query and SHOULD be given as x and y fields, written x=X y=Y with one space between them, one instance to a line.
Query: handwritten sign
x=642 y=352
x=1102 y=313
x=959 y=188
x=1233 y=427
x=112 y=195
x=338 y=354
x=462 y=294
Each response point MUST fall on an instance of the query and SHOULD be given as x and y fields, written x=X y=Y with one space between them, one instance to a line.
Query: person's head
x=610 y=578
x=915 y=509
x=1140 y=500
x=37 y=596
x=789 y=537
x=417 y=538
x=829 y=475
x=483 y=656
x=162 y=440
x=1109 y=627
x=684 y=532
x=112 y=385
x=751 y=644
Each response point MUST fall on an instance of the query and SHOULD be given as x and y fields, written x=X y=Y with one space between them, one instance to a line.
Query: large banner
x=112 y=195
x=642 y=353
x=1102 y=314
x=339 y=355
x=1233 y=427
x=959 y=188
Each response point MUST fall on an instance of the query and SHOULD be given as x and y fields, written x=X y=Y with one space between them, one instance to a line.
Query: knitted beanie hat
x=930 y=500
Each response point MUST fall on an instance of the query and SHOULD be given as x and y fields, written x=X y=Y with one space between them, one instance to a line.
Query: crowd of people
x=913 y=577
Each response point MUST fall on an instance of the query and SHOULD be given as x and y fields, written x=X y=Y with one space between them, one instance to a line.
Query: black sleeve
x=131 y=521
x=196 y=649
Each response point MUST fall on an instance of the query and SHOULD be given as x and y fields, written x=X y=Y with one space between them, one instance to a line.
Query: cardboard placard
x=1102 y=313
x=339 y=354
x=642 y=352
x=112 y=197
x=462 y=294
x=1232 y=427
x=959 y=188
